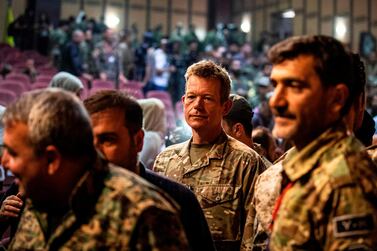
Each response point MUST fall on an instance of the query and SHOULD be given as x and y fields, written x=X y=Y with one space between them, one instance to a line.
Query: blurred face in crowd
x=202 y=105
x=193 y=46
x=109 y=35
x=19 y=157
x=246 y=49
x=78 y=36
x=88 y=35
x=235 y=65
x=113 y=139
x=30 y=63
x=303 y=108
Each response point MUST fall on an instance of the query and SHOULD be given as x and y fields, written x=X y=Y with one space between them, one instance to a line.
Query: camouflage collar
x=84 y=196
x=81 y=203
x=217 y=152
x=298 y=163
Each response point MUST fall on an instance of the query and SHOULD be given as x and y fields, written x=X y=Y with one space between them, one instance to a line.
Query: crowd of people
x=90 y=50
x=279 y=155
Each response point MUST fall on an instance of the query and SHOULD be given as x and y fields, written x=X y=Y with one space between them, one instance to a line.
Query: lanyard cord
x=278 y=203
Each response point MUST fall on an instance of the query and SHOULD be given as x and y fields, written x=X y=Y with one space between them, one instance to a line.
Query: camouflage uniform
x=267 y=190
x=110 y=209
x=331 y=202
x=372 y=151
x=223 y=181
x=258 y=148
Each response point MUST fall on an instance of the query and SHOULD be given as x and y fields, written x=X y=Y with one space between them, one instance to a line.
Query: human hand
x=11 y=206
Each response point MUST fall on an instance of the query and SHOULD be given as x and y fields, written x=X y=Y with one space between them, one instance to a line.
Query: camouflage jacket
x=110 y=209
x=372 y=151
x=330 y=202
x=223 y=181
x=267 y=190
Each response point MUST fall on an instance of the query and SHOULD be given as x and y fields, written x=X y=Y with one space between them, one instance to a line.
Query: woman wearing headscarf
x=154 y=125
x=68 y=82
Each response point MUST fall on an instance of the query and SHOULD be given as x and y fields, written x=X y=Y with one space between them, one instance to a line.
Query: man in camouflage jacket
x=76 y=200
x=219 y=169
x=329 y=188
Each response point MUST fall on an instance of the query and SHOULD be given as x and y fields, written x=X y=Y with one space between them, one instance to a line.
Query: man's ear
x=54 y=158
x=339 y=98
x=139 y=140
x=238 y=129
x=227 y=106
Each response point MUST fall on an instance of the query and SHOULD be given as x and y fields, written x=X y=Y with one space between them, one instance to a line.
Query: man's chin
x=197 y=125
x=282 y=132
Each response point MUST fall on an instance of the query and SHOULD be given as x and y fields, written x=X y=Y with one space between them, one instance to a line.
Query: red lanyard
x=278 y=203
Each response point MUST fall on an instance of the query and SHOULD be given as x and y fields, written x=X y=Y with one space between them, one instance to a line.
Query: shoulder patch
x=352 y=225
x=358 y=247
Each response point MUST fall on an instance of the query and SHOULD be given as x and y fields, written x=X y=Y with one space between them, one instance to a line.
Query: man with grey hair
x=75 y=199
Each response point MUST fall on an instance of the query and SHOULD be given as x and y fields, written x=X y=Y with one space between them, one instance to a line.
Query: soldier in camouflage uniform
x=76 y=200
x=268 y=185
x=237 y=124
x=219 y=169
x=329 y=188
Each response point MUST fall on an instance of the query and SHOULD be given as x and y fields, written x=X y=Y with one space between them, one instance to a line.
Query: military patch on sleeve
x=358 y=247
x=352 y=225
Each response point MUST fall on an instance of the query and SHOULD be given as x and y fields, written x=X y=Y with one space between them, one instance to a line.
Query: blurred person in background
x=263 y=137
x=68 y=82
x=237 y=124
x=154 y=125
x=72 y=58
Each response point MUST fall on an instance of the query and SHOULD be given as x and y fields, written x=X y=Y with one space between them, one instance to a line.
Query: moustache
x=283 y=113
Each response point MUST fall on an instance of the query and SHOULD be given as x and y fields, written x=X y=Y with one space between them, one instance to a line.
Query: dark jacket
x=191 y=214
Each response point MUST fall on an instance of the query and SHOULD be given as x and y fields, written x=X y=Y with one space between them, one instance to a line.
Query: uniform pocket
x=211 y=195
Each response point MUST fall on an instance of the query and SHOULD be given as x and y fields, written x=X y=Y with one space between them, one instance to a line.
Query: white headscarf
x=66 y=81
x=154 y=118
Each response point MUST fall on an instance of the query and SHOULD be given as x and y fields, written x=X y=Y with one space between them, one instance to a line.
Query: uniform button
x=218 y=198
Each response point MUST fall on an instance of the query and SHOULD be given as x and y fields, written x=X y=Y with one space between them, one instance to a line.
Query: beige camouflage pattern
x=223 y=182
x=130 y=214
x=267 y=190
x=332 y=203
x=372 y=151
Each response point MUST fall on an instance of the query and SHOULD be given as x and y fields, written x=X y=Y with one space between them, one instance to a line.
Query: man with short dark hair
x=75 y=199
x=238 y=124
x=329 y=184
x=268 y=185
x=117 y=127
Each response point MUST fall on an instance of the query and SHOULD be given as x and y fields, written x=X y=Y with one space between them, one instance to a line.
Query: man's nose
x=198 y=103
x=278 y=98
